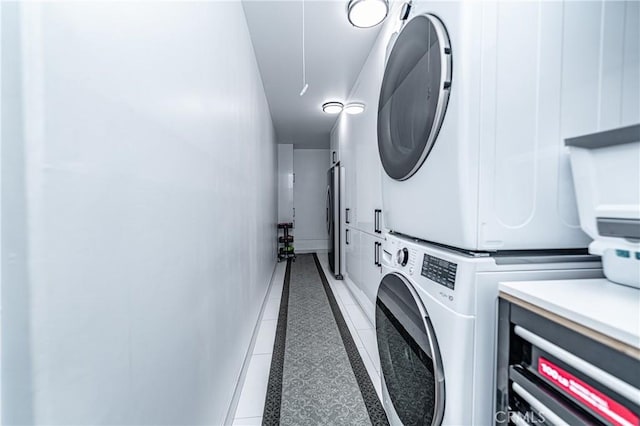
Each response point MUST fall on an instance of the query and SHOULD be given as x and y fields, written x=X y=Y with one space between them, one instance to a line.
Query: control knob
x=402 y=257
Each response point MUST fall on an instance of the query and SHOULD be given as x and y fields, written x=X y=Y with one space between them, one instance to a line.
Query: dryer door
x=414 y=95
x=410 y=360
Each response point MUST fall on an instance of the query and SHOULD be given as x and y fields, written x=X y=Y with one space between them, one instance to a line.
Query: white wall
x=309 y=199
x=139 y=203
x=285 y=183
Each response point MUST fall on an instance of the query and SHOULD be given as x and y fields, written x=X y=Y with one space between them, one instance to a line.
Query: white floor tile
x=278 y=281
x=271 y=309
x=370 y=344
x=344 y=294
x=254 y=389
x=276 y=291
x=359 y=319
x=248 y=421
x=348 y=298
x=338 y=301
x=266 y=337
x=352 y=328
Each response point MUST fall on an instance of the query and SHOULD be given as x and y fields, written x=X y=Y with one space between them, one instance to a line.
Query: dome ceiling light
x=367 y=13
x=332 y=107
x=354 y=108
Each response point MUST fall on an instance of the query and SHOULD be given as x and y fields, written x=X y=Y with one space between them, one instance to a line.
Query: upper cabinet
x=355 y=137
x=334 y=149
x=348 y=157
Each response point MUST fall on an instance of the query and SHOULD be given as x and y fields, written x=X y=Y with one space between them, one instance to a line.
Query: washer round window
x=410 y=360
x=414 y=95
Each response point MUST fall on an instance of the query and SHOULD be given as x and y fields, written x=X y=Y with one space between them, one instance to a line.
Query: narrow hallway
x=332 y=212
x=345 y=330
x=317 y=375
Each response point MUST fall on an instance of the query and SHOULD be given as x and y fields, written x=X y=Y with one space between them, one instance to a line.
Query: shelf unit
x=285 y=242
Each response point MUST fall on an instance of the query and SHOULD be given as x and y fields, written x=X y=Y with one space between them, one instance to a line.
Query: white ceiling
x=335 y=53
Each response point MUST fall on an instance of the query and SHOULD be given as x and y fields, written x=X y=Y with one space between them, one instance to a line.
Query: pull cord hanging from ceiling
x=305 y=86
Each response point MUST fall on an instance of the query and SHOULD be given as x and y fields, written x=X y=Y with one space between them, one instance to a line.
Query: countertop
x=605 y=307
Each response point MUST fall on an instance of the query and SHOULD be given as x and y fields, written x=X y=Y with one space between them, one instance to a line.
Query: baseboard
x=247 y=357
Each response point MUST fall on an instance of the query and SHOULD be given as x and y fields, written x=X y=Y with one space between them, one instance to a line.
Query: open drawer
x=550 y=374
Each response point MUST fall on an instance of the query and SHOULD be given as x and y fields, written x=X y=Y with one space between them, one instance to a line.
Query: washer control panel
x=439 y=270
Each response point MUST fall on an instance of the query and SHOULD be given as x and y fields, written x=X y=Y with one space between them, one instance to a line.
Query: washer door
x=410 y=360
x=414 y=95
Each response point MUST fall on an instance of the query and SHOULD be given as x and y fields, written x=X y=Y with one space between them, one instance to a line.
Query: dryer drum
x=414 y=95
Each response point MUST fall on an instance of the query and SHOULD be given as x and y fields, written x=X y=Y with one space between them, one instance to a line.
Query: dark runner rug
x=317 y=376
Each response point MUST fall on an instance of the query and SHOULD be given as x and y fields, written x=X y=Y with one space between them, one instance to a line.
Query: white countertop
x=608 y=308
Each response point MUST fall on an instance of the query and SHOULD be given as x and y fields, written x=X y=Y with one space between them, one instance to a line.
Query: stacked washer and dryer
x=475 y=103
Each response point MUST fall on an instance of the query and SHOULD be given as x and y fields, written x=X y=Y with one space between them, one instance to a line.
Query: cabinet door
x=371 y=253
x=362 y=131
x=369 y=199
x=334 y=147
x=353 y=266
x=347 y=155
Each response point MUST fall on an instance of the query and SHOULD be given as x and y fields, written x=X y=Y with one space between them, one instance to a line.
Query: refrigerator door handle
x=328 y=204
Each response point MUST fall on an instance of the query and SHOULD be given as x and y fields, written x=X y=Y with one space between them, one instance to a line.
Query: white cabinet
x=334 y=149
x=348 y=157
x=352 y=249
x=371 y=272
x=356 y=138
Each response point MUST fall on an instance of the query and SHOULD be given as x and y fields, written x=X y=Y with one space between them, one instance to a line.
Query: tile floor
x=254 y=389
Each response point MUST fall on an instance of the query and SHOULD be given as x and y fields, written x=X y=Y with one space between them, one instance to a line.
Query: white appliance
x=475 y=102
x=436 y=326
x=606 y=172
x=334 y=219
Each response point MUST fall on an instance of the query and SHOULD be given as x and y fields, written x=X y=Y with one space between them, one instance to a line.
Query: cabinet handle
x=347 y=236
x=346 y=215
x=619 y=386
x=334 y=156
x=375 y=253
x=375 y=221
x=538 y=405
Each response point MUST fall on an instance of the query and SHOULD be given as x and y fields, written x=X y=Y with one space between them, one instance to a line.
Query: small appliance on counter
x=606 y=176
x=568 y=353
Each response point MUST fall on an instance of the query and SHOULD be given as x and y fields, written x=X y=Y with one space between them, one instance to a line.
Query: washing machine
x=475 y=103
x=436 y=317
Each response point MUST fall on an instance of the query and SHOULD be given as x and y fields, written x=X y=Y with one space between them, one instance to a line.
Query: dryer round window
x=414 y=95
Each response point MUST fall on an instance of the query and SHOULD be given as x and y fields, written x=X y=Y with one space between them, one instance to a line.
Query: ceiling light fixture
x=367 y=13
x=354 y=108
x=332 y=107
